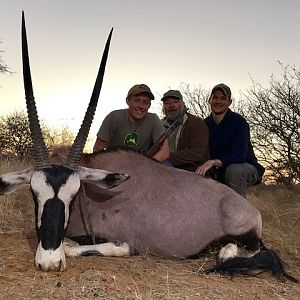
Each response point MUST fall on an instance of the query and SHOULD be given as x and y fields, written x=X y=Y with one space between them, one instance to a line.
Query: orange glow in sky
x=160 y=43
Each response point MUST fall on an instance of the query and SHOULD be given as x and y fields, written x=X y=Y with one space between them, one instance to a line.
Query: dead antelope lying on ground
x=159 y=210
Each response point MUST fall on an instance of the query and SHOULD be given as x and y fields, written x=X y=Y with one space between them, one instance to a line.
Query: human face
x=219 y=103
x=138 y=106
x=172 y=108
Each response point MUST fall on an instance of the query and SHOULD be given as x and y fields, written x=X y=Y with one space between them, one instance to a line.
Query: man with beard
x=230 y=147
x=188 y=143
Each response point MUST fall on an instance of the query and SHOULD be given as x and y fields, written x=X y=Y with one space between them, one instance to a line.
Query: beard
x=173 y=115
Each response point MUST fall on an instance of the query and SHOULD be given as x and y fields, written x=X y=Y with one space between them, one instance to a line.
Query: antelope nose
x=55 y=267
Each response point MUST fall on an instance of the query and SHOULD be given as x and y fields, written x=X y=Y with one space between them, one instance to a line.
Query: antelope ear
x=102 y=178
x=98 y=194
x=14 y=180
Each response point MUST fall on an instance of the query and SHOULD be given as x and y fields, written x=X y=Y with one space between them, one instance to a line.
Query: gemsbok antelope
x=159 y=210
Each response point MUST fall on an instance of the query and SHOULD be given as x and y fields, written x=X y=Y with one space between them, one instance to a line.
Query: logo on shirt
x=131 y=139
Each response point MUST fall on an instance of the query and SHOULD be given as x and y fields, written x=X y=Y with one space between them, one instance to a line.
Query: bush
x=15 y=136
x=273 y=113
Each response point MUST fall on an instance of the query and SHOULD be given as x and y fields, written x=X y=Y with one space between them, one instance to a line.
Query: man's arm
x=163 y=153
x=99 y=145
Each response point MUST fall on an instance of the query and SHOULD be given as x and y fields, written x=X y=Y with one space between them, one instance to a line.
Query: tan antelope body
x=162 y=210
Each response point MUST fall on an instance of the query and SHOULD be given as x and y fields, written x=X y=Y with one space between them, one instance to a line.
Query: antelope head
x=54 y=187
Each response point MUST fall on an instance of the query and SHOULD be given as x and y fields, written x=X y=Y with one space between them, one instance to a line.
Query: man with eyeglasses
x=134 y=127
x=230 y=147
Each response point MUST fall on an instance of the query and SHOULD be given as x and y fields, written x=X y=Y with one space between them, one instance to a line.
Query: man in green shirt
x=134 y=127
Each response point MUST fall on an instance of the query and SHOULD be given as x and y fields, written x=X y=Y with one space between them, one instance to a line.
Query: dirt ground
x=145 y=277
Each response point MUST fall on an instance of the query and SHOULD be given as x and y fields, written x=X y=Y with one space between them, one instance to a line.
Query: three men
x=221 y=141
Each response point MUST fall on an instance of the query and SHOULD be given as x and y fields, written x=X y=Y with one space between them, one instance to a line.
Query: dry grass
x=143 y=277
x=280 y=209
x=16 y=206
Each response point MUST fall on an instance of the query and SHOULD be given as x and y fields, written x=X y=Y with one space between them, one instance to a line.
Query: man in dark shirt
x=230 y=147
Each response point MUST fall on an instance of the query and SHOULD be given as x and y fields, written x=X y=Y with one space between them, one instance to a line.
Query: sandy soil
x=146 y=277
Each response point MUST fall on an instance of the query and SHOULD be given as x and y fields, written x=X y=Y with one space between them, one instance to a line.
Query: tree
x=274 y=117
x=15 y=136
x=196 y=99
x=3 y=67
x=58 y=136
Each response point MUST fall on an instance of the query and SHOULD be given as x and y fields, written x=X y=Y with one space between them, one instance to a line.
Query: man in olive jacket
x=188 y=143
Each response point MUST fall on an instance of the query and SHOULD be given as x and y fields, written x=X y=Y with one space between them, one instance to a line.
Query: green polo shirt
x=118 y=131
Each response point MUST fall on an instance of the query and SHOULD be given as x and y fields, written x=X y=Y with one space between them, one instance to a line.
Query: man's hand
x=201 y=170
x=99 y=145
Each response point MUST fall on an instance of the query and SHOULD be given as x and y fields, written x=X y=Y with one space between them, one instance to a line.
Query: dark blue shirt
x=229 y=141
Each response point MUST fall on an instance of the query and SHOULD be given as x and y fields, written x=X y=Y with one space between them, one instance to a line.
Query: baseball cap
x=139 y=89
x=223 y=88
x=172 y=94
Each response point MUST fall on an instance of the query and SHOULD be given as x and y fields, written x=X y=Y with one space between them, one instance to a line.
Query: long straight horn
x=40 y=153
x=75 y=154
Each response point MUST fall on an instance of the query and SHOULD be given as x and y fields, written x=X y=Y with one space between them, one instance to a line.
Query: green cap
x=172 y=94
x=139 y=89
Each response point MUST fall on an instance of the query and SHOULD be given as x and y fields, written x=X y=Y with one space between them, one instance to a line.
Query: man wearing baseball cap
x=188 y=143
x=134 y=127
x=230 y=147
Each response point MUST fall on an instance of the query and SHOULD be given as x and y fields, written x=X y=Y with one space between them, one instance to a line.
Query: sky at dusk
x=161 y=43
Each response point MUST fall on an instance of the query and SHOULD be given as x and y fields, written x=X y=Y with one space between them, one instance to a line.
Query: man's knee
x=240 y=176
x=234 y=172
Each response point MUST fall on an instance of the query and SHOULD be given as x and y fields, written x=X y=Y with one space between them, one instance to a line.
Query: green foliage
x=58 y=136
x=15 y=136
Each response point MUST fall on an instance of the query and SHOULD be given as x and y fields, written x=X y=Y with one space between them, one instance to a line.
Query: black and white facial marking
x=53 y=190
